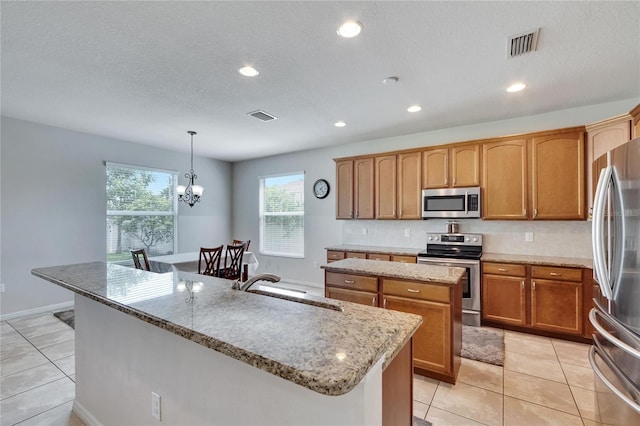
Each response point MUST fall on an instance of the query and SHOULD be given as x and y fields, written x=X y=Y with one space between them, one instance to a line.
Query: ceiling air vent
x=262 y=116
x=522 y=44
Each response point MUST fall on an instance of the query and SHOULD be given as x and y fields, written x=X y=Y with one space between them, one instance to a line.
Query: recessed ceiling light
x=414 y=108
x=390 y=81
x=248 y=71
x=350 y=29
x=516 y=87
x=340 y=124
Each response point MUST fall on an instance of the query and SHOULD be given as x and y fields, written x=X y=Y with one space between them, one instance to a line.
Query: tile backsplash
x=550 y=238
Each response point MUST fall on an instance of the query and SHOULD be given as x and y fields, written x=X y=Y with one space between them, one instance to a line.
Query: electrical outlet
x=155 y=406
x=407 y=232
x=528 y=236
x=364 y=231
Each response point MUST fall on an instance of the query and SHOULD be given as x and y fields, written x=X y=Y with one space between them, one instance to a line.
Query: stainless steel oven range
x=464 y=251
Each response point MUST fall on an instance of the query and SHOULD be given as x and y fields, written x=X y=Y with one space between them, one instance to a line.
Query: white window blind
x=141 y=211
x=282 y=215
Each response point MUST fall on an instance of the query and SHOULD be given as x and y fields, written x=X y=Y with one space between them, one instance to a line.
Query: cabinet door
x=503 y=299
x=465 y=166
x=344 y=189
x=504 y=179
x=378 y=256
x=557 y=176
x=386 y=177
x=435 y=168
x=432 y=341
x=556 y=306
x=363 y=188
x=403 y=259
x=354 y=296
x=635 y=122
x=355 y=255
x=409 y=186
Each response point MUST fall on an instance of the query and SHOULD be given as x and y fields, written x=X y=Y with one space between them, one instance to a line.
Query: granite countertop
x=405 y=271
x=568 y=262
x=328 y=351
x=401 y=251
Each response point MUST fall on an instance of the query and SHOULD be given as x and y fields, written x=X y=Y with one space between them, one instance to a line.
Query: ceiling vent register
x=262 y=116
x=522 y=44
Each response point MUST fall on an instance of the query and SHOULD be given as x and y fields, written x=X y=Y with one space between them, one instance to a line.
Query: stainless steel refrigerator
x=615 y=354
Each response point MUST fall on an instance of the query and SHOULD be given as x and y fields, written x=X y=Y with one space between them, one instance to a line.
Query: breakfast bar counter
x=218 y=339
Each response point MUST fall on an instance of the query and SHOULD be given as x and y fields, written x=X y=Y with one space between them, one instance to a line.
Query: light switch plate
x=528 y=236
x=407 y=232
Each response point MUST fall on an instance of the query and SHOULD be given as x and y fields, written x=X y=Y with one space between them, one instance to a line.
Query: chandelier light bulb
x=350 y=29
x=191 y=193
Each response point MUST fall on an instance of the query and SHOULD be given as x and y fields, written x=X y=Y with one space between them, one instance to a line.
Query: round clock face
x=321 y=188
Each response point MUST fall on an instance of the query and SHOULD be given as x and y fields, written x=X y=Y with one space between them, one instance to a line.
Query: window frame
x=173 y=213
x=262 y=215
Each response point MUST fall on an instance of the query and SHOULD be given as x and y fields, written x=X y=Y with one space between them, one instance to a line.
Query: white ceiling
x=149 y=71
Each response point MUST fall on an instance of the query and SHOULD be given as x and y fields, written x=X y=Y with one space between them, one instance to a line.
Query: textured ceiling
x=149 y=71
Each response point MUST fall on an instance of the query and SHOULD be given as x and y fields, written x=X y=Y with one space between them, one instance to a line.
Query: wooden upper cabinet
x=385 y=188
x=635 y=122
x=504 y=179
x=344 y=189
x=363 y=188
x=603 y=136
x=465 y=166
x=557 y=176
x=409 y=186
x=435 y=168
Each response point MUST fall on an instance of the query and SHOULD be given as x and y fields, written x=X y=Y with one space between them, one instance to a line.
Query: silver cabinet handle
x=403 y=261
x=535 y=212
x=555 y=274
x=410 y=290
x=524 y=212
x=533 y=285
x=454 y=181
x=373 y=301
x=503 y=269
x=522 y=285
x=349 y=282
x=384 y=303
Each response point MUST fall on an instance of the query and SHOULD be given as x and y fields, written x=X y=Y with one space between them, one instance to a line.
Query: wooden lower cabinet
x=354 y=296
x=504 y=299
x=556 y=306
x=539 y=298
x=432 y=342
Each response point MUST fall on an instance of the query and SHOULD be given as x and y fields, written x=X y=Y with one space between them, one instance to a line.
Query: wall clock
x=321 y=188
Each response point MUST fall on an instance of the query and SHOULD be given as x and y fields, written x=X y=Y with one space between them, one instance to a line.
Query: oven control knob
x=467 y=239
x=475 y=239
x=430 y=238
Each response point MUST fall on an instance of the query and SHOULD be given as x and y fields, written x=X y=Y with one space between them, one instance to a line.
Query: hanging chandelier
x=191 y=193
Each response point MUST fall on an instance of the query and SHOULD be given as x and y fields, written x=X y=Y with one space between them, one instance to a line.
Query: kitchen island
x=220 y=356
x=433 y=292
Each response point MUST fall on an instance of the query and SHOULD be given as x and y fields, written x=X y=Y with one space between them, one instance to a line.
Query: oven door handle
x=448 y=262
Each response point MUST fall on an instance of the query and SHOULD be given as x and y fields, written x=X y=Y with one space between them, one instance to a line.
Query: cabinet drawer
x=403 y=259
x=504 y=269
x=376 y=256
x=355 y=255
x=555 y=273
x=334 y=255
x=352 y=281
x=415 y=290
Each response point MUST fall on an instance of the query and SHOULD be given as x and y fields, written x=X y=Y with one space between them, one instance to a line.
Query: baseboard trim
x=34 y=311
x=84 y=414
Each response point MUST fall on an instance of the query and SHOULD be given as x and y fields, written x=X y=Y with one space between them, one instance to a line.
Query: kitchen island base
x=121 y=360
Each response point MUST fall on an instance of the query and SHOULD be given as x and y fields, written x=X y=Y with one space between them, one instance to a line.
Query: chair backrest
x=246 y=244
x=136 y=254
x=209 y=261
x=233 y=261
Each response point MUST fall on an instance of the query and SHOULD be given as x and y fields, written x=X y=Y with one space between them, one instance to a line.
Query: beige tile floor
x=544 y=381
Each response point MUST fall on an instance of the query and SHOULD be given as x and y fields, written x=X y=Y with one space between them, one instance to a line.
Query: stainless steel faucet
x=244 y=286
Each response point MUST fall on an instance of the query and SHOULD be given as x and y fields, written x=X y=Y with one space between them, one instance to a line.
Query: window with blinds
x=282 y=215
x=141 y=211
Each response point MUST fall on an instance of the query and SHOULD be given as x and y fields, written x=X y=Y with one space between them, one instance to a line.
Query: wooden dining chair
x=238 y=242
x=137 y=254
x=209 y=261
x=232 y=269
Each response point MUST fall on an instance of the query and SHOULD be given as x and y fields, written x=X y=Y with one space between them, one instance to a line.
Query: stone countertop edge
x=568 y=262
x=325 y=384
x=406 y=271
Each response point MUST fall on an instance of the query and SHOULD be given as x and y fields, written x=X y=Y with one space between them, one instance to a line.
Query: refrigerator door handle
x=592 y=360
x=617 y=250
x=599 y=264
x=610 y=337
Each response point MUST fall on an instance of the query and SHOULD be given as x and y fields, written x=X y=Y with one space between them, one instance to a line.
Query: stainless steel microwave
x=458 y=203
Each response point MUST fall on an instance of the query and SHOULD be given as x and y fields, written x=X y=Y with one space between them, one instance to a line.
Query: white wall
x=322 y=229
x=53 y=208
